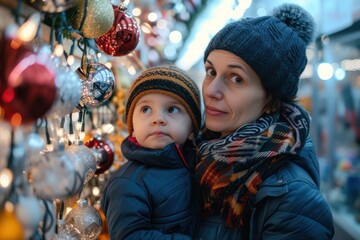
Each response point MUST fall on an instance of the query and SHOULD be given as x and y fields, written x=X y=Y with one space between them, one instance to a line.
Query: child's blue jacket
x=150 y=196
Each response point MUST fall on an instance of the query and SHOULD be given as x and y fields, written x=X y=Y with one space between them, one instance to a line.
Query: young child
x=150 y=196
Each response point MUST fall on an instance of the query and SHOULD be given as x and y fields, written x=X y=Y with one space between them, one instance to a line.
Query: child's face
x=159 y=120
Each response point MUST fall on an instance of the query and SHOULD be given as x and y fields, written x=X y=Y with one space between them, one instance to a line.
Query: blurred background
x=84 y=43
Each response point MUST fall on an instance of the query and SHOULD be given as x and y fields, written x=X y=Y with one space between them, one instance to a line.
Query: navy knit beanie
x=273 y=46
x=168 y=80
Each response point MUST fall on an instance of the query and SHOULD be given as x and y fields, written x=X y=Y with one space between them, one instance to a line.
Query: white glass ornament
x=69 y=89
x=28 y=211
x=54 y=176
x=34 y=145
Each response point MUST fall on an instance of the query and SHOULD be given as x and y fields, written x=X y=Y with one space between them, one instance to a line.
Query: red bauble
x=123 y=36
x=27 y=82
x=104 y=153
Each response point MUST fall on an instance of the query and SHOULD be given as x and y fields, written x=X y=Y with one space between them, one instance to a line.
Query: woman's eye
x=236 y=79
x=145 y=109
x=173 y=109
x=210 y=72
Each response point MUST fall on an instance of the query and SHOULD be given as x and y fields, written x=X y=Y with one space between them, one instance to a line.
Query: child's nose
x=159 y=118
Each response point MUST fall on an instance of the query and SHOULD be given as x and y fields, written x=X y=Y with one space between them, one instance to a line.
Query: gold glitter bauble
x=99 y=17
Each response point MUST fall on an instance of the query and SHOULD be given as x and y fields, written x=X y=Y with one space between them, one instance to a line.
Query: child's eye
x=173 y=109
x=145 y=109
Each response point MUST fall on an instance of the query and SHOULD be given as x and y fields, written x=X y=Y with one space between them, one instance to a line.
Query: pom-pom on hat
x=168 y=80
x=273 y=46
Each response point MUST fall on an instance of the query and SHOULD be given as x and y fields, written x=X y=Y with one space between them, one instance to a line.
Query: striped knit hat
x=170 y=81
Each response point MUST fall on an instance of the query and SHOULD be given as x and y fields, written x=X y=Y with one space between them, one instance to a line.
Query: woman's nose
x=213 y=89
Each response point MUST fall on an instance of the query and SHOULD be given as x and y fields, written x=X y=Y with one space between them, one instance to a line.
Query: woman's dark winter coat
x=288 y=205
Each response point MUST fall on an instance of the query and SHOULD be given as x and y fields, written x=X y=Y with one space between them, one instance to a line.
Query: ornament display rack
x=74 y=210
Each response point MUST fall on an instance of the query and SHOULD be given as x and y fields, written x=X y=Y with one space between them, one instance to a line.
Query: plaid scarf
x=230 y=169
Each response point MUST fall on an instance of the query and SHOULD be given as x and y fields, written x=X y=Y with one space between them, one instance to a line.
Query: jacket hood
x=171 y=156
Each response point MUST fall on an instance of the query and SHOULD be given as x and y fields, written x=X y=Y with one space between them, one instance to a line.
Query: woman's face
x=232 y=91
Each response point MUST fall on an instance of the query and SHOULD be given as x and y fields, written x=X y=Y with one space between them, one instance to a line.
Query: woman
x=257 y=174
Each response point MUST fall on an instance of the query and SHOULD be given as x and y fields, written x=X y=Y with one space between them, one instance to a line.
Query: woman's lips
x=214 y=111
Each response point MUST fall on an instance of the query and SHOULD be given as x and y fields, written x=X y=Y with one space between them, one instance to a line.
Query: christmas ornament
x=5 y=139
x=98 y=14
x=66 y=232
x=54 y=176
x=6 y=177
x=84 y=160
x=18 y=163
x=28 y=211
x=104 y=234
x=104 y=153
x=34 y=145
x=69 y=88
x=50 y=6
x=10 y=226
x=124 y=35
x=47 y=225
x=85 y=219
x=28 y=83
x=98 y=84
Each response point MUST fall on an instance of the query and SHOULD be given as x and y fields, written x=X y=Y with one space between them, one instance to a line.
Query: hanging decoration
x=28 y=211
x=10 y=225
x=98 y=83
x=68 y=90
x=124 y=35
x=84 y=219
x=104 y=153
x=27 y=82
x=84 y=160
x=66 y=231
x=51 y=6
x=91 y=17
x=54 y=175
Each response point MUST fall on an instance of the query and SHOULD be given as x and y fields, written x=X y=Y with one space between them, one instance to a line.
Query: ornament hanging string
x=47 y=216
x=47 y=132
x=17 y=12
x=71 y=130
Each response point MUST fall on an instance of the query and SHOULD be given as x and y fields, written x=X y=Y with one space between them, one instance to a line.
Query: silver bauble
x=84 y=160
x=98 y=84
x=85 y=219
